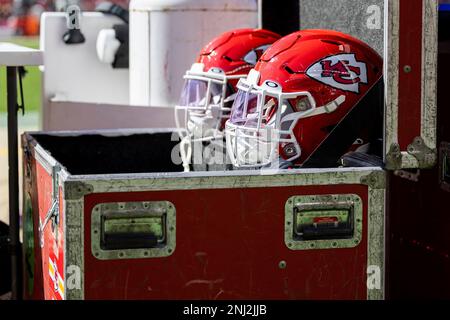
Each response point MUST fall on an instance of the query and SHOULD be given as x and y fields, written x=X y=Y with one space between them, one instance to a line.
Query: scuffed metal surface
x=376 y=239
x=391 y=76
x=74 y=233
x=76 y=190
x=143 y=182
x=426 y=157
x=376 y=224
x=375 y=180
x=429 y=73
x=394 y=157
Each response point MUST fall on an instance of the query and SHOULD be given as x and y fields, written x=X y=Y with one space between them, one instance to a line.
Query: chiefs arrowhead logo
x=341 y=71
x=253 y=56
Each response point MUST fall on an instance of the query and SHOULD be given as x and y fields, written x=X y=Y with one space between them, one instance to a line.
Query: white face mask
x=204 y=104
x=251 y=150
x=254 y=129
x=262 y=120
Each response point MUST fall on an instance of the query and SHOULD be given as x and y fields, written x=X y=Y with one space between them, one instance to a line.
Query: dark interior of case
x=96 y=153
x=88 y=154
x=365 y=120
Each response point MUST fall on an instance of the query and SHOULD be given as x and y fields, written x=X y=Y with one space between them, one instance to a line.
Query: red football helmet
x=210 y=86
x=301 y=88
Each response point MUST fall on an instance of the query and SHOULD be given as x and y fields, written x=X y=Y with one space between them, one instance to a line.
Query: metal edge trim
x=429 y=80
x=376 y=239
x=44 y=159
x=151 y=182
x=62 y=177
x=408 y=161
x=74 y=242
x=429 y=73
x=391 y=68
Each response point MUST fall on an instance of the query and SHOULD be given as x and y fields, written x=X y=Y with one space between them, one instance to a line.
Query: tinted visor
x=195 y=94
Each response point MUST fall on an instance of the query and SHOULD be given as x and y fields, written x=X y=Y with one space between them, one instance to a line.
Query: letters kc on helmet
x=297 y=93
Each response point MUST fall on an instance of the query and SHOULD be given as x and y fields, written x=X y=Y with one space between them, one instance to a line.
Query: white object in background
x=167 y=35
x=74 y=71
x=13 y=55
x=107 y=45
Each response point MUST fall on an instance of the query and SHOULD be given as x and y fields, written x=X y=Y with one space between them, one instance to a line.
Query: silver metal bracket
x=394 y=157
x=424 y=155
x=75 y=190
x=53 y=212
x=375 y=180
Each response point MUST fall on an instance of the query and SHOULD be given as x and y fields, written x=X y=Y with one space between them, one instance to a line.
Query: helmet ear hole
x=289 y=150
x=228 y=58
x=289 y=70
x=302 y=104
x=332 y=42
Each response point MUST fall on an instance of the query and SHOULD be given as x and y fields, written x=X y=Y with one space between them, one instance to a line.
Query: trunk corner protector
x=426 y=156
x=394 y=157
x=418 y=149
x=375 y=180
x=75 y=190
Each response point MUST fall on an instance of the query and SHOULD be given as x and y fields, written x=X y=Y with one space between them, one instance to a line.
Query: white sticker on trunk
x=341 y=71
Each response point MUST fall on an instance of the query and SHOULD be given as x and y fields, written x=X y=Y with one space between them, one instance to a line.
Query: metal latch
x=53 y=212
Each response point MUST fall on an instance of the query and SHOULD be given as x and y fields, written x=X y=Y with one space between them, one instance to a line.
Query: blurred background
x=19 y=24
x=21 y=17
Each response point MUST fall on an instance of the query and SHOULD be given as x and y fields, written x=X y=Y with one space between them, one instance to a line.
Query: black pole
x=13 y=156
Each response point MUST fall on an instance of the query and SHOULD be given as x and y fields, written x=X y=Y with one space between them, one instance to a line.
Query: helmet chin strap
x=186 y=146
x=186 y=152
x=328 y=108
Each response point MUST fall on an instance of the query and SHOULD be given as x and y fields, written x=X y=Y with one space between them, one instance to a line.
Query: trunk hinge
x=53 y=212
